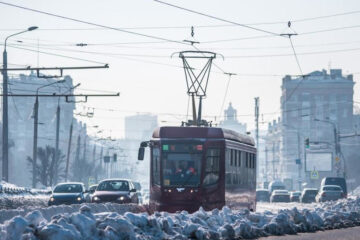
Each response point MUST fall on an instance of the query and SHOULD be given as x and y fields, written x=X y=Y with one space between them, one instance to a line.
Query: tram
x=192 y=167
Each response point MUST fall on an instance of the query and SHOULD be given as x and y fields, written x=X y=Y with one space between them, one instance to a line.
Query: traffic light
x=307 y=142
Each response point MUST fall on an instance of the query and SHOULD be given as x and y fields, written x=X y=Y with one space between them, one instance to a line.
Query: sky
x=150 y=80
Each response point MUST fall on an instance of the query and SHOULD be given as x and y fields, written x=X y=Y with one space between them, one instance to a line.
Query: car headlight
x=79 y=199
x=96 y=198
x=121 y=198
x=52 y=199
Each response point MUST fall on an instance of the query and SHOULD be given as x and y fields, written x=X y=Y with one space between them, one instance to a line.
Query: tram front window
x=181 y=165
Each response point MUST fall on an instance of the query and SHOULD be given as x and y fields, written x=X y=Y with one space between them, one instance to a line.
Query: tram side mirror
x=141 y=153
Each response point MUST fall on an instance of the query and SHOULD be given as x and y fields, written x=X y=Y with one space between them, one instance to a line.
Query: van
x=339 y=181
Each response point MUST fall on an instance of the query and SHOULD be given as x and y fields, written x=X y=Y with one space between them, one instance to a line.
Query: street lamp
x=36 y=113
x=5 y=135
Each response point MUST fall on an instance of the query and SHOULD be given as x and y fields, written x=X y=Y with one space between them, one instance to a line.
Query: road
x=338 y=234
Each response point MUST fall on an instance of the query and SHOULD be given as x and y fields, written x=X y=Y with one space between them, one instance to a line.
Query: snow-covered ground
x=113 y=221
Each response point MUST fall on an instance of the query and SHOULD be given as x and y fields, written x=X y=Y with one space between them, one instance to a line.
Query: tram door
x=213 y=180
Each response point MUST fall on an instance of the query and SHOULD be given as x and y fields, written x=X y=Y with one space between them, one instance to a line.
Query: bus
x=192 y=167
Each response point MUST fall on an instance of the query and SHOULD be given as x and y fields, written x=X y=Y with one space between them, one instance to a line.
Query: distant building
x=310 y=108
x=138 y=128
x=231 y=122
x=273 y=140
x=21 y=122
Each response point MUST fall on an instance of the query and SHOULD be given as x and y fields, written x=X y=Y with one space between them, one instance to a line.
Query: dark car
x=280 y=196
x=339 y=181
x=295 y=196
x=308 y=195
x=262 y=195
x=68 y=193
x=329 y=193
x=115 y=190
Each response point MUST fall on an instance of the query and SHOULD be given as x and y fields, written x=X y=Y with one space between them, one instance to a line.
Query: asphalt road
x=338 y=234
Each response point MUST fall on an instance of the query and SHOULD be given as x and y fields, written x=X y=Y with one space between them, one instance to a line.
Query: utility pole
x=257 y=103
x=36 y=116
x=36 y=109
x=266 y=164
x=68 y=153
x=77 y=159
x=299 y=157
x=5 y=117
x=57 y=139
x=273 y=162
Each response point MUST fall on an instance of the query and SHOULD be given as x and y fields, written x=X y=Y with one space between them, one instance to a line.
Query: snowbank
x=106 y=222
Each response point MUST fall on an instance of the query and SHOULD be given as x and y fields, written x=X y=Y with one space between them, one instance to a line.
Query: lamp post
x=36 y=113
x=5 y=135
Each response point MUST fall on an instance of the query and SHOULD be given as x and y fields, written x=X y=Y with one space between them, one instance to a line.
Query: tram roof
x=202 y=132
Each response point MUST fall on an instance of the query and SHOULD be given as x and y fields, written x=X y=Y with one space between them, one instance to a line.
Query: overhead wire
x=217 y=18
x=59 y=55
x=91 y=23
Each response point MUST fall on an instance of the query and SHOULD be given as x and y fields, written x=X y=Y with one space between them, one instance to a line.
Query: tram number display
x=182 y=147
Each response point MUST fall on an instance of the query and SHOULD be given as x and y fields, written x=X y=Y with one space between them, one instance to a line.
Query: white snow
x=114 y=221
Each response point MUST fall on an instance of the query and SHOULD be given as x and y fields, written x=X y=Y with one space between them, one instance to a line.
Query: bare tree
x=48 y=169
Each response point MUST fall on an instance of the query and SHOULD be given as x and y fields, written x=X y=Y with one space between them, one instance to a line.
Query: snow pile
x=22 y=200
x=101 y=222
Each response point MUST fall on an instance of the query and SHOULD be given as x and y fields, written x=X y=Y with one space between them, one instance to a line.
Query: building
x=21 y=122
x=314 y=107
x=231 y=122
x=138 y=128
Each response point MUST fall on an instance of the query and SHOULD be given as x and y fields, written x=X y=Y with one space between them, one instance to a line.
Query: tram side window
x=212 y=166
x=247 y=159
x=156 y=165
x=250 y=160
x=254 y=160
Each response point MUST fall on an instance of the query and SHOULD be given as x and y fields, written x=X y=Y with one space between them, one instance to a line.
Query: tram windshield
x=181 y=164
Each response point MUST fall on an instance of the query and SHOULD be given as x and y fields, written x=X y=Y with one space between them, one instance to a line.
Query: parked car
x=295 y=196
x=276 y=185
x=329 y=193
x=68 y=193
x=91 y=191
x=339 y=181
x=262 y=195
x=115 y=190
x=308 y=195
x=280 y=196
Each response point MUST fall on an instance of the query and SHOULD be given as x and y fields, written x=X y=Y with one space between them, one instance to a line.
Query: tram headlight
x=52 y=199
x=122 y=198
x=191 y=191
x=96 y=198
x=78 y=199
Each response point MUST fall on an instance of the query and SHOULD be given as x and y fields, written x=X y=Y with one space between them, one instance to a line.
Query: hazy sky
x=150 y=81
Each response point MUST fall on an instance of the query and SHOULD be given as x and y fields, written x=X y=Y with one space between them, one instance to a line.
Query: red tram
x=201 y=166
